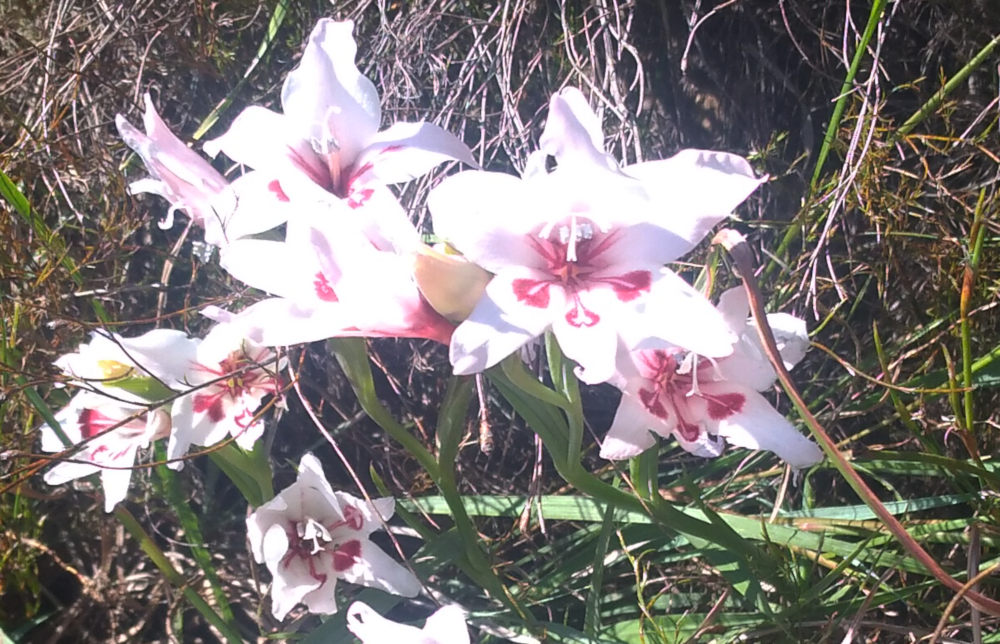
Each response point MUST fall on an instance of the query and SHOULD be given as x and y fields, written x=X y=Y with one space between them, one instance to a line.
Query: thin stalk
x=878 y=7
x=742 y=257
x=160 y=560
x=935 y=101
x=976 y=236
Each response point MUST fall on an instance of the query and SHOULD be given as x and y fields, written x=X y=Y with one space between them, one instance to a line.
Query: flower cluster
x=576 y=245
x=163 y=384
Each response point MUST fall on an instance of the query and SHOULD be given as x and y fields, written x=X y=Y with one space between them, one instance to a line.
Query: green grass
x=879 y=227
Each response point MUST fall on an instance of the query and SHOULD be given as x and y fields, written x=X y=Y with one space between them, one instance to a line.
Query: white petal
x=734 y=306
x=67 y=471
x=594 y=343
x=679 y=315
x=264 y=140
x=323 y=600
x=406 y=151
x=261 y=520
x=791 y=336
x=447 y=626
x=279 y=322
x=488 y=336
x=573 y=132
x=274 y=546
x=371 y=628
x=116 y=481
x=696 y=189
x=182 y=413
x=68 y=419
x=376 y=569
x=758 y=426
x=262 y=205
x=181 y=176
x=326 y=96
x=292 y=582
x=486 y=216
x=273 y=267
x=629 y=434
x=311 y=477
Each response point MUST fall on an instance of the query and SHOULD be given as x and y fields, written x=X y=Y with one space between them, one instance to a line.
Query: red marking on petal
x=725 y=405
x=653 y=404
x=630 y=285
x=347 y=555
x=580 y=316
x=353 y=518
x=688 y=431
x=532 y=292
x=275 y=188
x=358 y=198
x=323 y=289
x=93 y=422
x=211 y=403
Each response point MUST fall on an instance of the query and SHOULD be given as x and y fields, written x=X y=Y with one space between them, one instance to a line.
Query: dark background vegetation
x=880 y=240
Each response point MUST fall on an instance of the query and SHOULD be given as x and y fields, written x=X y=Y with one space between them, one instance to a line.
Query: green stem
x=353 y=358
x=935 y=101
x=834 y=126
x=554 y=431
x=450 y=428
x=171 y=490
x=976 y=237
x=175 y=578
x=845 y=90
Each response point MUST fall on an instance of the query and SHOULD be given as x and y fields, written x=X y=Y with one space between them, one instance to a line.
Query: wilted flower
x=309 y=536
x=179 y=174
x=445 y=626
x=230 y=375
x=581 y=249
x=113 y=432
x=701 y=401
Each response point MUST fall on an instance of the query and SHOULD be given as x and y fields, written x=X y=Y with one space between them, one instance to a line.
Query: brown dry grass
x=885 y=233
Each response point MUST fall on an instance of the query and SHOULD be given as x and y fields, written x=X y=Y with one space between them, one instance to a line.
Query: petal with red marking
x=756 y=425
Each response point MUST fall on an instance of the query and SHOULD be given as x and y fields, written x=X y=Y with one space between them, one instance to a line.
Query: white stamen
x=314 y=530
x=690 y=365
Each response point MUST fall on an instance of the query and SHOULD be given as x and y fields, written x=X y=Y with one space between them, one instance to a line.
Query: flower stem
x=175 y=578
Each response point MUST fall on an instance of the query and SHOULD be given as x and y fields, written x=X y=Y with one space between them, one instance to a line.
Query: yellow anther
x=113 y=370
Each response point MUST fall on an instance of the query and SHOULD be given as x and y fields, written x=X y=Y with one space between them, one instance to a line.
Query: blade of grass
x=592 y=614
x=177 y=580
x=277 y=18
x=742 y=257
x=171 y=491
x=874 y=16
